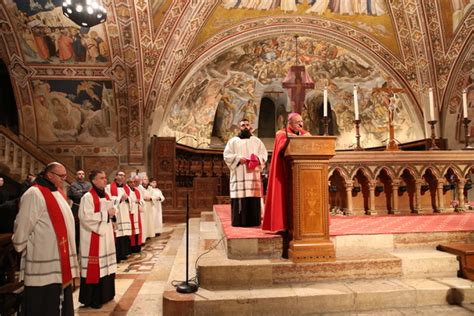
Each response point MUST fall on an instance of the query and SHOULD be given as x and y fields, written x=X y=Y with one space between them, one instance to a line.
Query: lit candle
x=325 y=104
x=356 y=103
x=464 y=103
x=432 y=117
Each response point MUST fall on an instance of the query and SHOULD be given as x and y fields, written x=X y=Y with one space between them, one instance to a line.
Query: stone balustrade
x=17 y=161
x=400 y=182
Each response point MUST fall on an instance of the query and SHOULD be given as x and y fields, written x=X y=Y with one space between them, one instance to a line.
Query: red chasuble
x=93 y=268
x=133 y=240
x=275 y=216
x=59 y=226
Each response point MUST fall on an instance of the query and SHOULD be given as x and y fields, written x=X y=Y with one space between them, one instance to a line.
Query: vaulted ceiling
x=122 y=82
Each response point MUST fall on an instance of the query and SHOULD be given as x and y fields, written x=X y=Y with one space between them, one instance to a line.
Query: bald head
x=56 y=173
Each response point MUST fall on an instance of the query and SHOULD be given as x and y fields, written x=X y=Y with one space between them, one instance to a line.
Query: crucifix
x=63 y=243
x=392 y=100
x=297 y=81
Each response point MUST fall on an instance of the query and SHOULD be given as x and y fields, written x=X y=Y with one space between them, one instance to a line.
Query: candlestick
x=431 y=97
x=325 y=103
x=356 y=103
x=464 y=103
x=357 y=147
x=467 y=135
x=326 y=125
x=433 y=145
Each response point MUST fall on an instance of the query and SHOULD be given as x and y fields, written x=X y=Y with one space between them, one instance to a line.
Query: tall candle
x=356 y=103
x=432 y=117
x=464 y=103
x=325 y=104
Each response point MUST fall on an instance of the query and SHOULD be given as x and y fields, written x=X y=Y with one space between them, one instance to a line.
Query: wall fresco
x=80 y=111
x=46 y=36
x=231 y=86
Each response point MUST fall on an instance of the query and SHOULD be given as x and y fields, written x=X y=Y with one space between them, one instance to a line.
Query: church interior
x=161 y=86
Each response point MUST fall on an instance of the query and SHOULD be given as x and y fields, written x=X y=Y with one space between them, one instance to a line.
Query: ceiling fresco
x=223 y=57
x=234 y=82
x=370 y=16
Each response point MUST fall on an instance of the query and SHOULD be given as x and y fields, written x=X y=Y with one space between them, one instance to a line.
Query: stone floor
x=142 y=279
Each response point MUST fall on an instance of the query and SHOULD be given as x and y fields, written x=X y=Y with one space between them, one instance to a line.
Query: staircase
x=409 y=281
x=20 y=156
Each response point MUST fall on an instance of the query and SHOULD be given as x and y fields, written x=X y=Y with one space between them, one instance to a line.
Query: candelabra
x=357 y=147
x=326 y=125
x=433 y=145
x=467 y=135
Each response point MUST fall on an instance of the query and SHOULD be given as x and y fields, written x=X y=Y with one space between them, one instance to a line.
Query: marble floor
x=141 y=279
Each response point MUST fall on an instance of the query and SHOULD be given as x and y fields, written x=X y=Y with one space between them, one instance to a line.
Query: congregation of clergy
x=60 y=241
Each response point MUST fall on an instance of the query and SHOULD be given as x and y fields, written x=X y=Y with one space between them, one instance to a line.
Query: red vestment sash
x=60 y=229
x=133 y=241
x=93 y=267
x=275 y=215
x=114 y=190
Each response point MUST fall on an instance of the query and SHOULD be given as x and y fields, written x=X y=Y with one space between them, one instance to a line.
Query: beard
x=245 y=133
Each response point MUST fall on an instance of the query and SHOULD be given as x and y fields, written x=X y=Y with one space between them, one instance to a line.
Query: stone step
x=331 y=297
x=215 y=269
x=427 y=263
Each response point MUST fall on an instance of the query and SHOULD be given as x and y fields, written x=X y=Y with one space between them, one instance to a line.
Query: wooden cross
x=63 y=243
x=298 y=88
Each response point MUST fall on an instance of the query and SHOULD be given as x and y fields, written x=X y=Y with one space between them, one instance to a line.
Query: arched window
x=266 y=118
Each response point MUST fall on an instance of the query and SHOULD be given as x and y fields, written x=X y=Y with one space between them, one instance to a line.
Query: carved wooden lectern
x=308 y=159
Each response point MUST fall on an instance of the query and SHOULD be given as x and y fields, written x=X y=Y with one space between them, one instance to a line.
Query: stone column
x=23 y=163
x=7 y=151
x=372 y=210
x=15 y=157
x=395 y=186
x=418 y=209
x=439 y=196
x=349 y=185
x=461 y=183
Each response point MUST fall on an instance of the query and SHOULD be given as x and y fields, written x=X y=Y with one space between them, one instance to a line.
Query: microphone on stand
x=186 y=287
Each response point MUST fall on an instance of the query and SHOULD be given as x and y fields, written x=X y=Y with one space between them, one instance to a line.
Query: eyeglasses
x=62 y=176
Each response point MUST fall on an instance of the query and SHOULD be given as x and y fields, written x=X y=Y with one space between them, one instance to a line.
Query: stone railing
x=384 y=182
x=18 y=156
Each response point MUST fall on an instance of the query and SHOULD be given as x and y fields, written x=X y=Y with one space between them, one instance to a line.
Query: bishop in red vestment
x=275 y=216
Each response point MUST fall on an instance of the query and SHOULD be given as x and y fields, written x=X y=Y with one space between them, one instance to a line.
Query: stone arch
x=390 y=172
x=366 y=172
x=219 y=43
x=343 y=172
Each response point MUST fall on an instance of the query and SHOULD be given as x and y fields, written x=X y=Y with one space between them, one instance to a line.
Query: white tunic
x=123 y=225
x=97 y=223
x=136 y=209
x=243 y=181
x=157 y=199
x=148 y=223
x=36 y=239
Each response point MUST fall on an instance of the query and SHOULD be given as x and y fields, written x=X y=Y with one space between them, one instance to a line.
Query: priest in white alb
x=44 y=234
x=246 y=156
x=119 y=192
x=98 y=258
x=157 y=199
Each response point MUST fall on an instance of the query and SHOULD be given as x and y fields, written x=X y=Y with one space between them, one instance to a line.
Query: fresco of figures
x=216 y=97
x=460 y=8
x=349 y=7
x=48 y=37
x=75 y=111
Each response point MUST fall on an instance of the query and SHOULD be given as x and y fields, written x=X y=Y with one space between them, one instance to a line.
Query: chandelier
x=85 y=13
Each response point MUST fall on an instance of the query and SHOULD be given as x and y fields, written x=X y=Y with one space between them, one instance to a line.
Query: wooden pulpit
x=308 y=159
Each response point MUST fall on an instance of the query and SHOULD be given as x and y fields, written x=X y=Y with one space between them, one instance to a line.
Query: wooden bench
x=465 y=254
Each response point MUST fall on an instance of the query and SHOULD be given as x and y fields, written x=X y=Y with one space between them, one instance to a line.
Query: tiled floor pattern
x=140 y=279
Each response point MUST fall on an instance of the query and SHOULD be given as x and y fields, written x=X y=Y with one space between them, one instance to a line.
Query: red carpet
x=364 y=225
